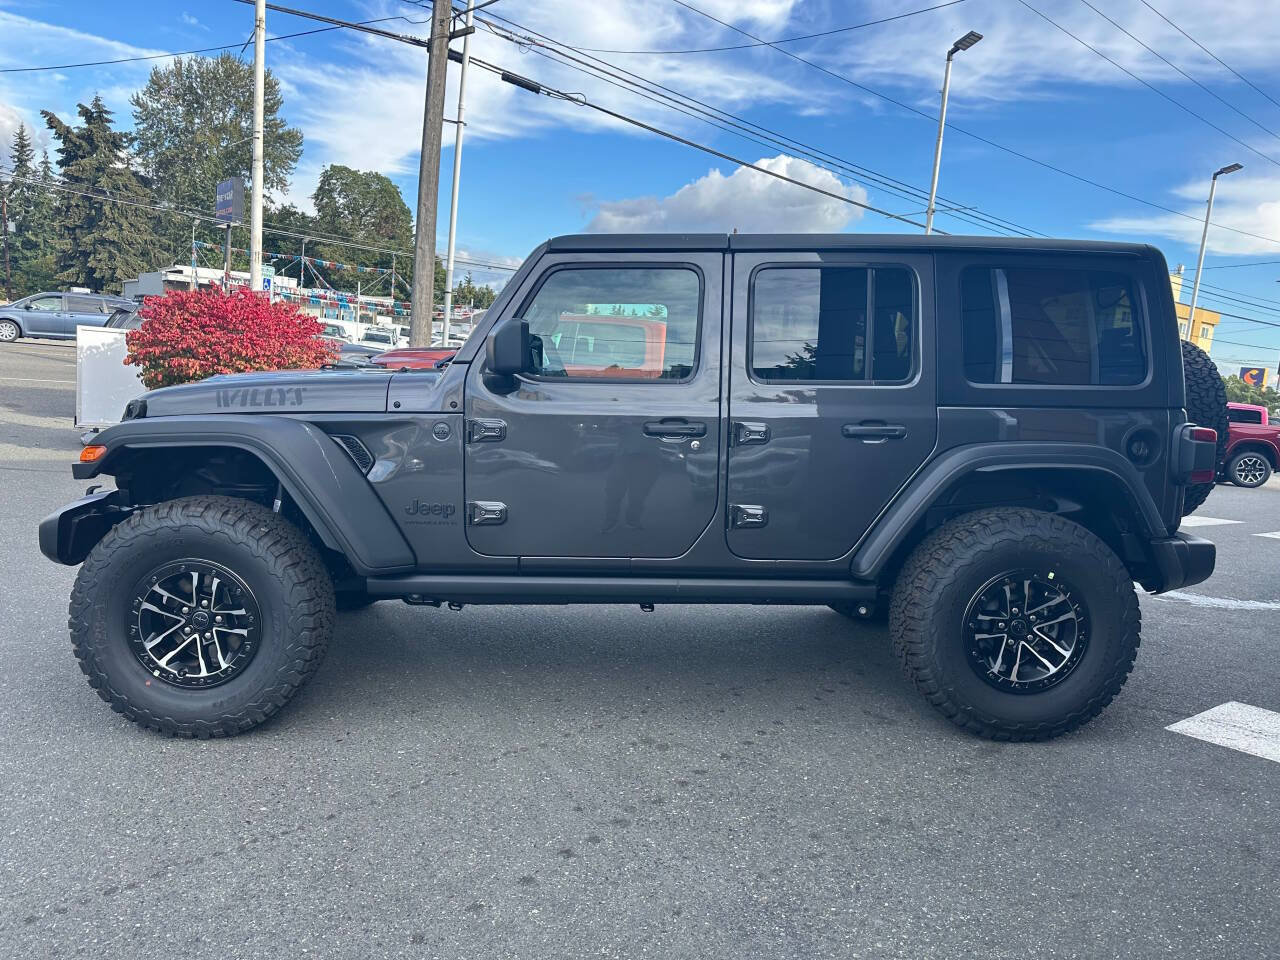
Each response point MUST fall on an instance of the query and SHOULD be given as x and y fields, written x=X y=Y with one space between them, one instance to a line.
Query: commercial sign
x=228 y=206
x=1254 y=376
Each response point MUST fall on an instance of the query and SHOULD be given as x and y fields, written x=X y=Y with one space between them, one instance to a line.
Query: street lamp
x=964 y=43
x=1195 y=288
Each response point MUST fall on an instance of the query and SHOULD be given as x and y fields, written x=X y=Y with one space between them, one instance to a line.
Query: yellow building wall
x=1200 y=332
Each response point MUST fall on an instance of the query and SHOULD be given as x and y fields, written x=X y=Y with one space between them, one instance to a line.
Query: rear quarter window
x=1053 y=326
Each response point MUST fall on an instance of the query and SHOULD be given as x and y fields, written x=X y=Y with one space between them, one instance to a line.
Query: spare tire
x=1206 y=407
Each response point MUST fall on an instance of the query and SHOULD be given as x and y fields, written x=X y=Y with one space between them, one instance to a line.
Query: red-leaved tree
x=192 y=334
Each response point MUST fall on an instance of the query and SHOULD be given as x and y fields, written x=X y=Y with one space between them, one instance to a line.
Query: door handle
x=674 y=427
x=873 y=432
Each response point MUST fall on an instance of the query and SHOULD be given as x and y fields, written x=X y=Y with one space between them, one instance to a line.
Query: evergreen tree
x=30 y=213
x=103 y=235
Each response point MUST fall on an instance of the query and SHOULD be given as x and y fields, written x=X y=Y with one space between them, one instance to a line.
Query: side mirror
x=508 y=350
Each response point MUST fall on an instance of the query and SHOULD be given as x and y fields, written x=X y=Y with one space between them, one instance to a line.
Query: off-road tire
x=279 y=564
x=942 y=575
x=1260 y=475
x=1206 y=407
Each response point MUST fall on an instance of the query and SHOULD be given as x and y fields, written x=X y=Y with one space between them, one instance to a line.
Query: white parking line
x=1222 y=603
x=1239 y=726
x=35 y=380
x=1274 y=535
x=1194 y=521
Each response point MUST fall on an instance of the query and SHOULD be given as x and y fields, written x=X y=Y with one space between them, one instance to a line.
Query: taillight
x=1210 y=436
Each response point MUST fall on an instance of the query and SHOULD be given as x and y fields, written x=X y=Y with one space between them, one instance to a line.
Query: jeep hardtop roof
x=599 y=242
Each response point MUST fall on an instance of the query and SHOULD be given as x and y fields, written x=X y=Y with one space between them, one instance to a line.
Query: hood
x=280 y=392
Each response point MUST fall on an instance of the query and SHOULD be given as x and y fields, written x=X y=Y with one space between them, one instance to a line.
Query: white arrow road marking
x=1239 y=726
x=1274 y=535
x=1221 y=603
x=1194 y=521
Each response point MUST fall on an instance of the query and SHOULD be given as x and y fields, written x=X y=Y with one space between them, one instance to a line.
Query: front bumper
x=1180 y=561
x=67 y=535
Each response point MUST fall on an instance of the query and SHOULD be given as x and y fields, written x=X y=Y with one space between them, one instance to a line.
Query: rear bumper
x=1180 y=561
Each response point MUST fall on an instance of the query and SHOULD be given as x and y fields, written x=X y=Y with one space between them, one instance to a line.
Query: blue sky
x=534 y=167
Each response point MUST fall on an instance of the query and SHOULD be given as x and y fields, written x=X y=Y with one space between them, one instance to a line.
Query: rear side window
x=811 y=324
x=617 y=323
x=1052 y=326
x=86 y=305
x=1244 y=416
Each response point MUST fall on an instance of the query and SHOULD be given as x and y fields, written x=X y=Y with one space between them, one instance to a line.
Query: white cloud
x=191 y=21
x=1023 y=56
x=1243 y=202
x=745 y=200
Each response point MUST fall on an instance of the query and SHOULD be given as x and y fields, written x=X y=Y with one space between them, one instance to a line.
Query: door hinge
x=746 y=431
x=482 y=512
x=486 y=431
x=748 y=515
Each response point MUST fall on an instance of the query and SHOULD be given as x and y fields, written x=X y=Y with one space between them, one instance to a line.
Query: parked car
x=125 y=318
x=384 y=338
x=55 y=316
x=414 y=358
x=333 y=331
x=1253 y=445
x=986 y=437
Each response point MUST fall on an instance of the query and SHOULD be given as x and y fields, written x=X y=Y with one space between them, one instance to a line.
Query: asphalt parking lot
x=598 y=782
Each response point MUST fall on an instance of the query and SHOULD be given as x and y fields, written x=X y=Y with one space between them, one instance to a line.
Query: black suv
x=985 y=438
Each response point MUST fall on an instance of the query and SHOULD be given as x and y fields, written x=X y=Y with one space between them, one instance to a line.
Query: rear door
x=831 y=398
x=611 y=448
x=86 y=311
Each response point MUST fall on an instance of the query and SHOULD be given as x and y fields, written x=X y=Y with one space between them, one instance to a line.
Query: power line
x=1254 y=263
x=186 y=53
x=975 y=136
x=1154 y=89
x=1228 y=66
x=715 y=116
x=747 y=46
x=1184 y=73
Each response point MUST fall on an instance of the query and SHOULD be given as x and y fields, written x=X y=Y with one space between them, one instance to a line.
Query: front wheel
x=1249 y=469
x=1015 y=624
x=201 y=617
x=9 y=331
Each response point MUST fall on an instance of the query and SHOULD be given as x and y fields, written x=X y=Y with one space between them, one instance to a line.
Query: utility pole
x=226 y=261
x=255 y=202
x=964 y=43
x=459 y=126
x=424 y=248
x=1204 y=237
x=4 y=225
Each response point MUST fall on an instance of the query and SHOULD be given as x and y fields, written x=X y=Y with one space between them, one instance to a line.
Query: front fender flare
x=331 y=493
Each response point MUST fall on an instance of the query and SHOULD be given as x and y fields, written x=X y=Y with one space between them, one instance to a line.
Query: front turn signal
x=92 y=453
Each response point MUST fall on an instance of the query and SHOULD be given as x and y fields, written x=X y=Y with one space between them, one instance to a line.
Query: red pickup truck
x=1253 y=445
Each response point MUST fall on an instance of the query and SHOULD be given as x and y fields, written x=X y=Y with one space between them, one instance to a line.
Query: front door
x=610 y=449
x=831 y=396
x=45 y=316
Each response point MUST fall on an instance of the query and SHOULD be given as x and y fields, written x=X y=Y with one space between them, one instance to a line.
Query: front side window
x=811 y=324
x=631 y=323
x=1051 y=326
x=46 y=304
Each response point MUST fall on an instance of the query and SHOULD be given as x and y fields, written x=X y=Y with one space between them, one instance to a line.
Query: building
x=179 y=277
x=1199 y=330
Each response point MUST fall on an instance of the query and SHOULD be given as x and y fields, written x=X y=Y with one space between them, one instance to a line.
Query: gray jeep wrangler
x=988 y=439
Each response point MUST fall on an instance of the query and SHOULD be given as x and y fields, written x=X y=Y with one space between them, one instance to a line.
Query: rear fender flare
x=925 y=489
x=331 y=492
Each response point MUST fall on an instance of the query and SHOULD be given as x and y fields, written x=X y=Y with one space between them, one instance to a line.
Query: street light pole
x=964 y=43
x=1204 y=237
x=259 y=88
x=457 y=175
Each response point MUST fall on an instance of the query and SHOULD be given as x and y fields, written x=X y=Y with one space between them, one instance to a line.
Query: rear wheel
x=1206 y=406
x=1249 y=469
x=201 y=617
x=1015 y=624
